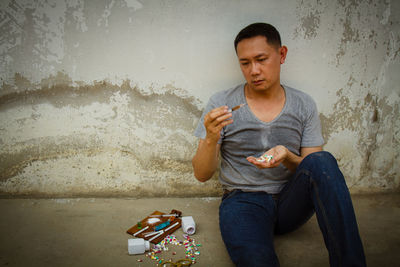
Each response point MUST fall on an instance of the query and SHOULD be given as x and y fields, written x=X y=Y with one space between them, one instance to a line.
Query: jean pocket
x=230 y=194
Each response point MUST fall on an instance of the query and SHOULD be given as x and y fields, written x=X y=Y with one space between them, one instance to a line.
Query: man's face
x=260 y=62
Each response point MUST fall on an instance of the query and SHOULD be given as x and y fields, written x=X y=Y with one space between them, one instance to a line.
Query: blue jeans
x=249 y=220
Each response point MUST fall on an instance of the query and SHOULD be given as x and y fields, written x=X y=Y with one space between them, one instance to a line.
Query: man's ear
x=283 y=52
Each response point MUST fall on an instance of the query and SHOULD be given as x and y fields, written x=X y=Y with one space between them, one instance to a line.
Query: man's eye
x=262 y=59
x=245 y=63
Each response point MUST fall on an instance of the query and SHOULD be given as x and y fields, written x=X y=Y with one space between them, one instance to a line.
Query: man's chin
x=259 y=87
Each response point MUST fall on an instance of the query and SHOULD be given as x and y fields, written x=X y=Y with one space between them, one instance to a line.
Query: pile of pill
x=264 y=158
x=192 y=249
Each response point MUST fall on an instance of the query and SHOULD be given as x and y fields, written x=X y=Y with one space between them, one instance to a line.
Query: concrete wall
x=101 y=97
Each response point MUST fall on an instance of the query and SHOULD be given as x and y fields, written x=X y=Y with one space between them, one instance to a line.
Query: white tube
x=152 y=233
x=138 y=232
x=172 y=226
x=154 y=237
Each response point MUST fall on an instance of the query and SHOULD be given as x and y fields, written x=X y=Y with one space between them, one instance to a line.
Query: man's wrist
x=291 y=160
x=211 y=141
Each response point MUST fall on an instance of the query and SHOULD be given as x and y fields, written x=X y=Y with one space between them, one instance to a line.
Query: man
x=273 y=170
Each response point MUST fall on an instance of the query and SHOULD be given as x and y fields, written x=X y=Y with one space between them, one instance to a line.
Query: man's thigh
x=247 y=224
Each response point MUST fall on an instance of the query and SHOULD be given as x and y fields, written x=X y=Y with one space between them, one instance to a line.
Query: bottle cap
x=147 y=245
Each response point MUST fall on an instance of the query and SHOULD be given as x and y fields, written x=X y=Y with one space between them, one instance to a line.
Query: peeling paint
x=117 y=140
x=386 y=14
x=310 y=18
x=364 y=154
x=135 y=4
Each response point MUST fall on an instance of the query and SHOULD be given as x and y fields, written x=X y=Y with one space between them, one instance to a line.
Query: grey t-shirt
x=296 y=126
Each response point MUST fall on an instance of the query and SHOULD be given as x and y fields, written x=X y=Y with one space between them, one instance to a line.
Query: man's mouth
x=257 y=82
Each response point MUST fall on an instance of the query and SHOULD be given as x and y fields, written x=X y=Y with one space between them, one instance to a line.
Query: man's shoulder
x=298 y=95
x=297 y=92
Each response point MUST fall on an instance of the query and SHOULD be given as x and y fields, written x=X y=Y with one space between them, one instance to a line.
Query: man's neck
x=271 y=94
x=265 y=105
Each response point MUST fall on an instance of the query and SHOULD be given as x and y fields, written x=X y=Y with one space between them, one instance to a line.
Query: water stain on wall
x=97 y=139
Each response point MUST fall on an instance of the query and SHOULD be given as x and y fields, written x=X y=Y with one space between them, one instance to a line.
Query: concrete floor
x=92 y=232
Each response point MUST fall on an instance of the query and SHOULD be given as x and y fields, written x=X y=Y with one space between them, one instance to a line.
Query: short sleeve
x=200 y=130
x=312 y=134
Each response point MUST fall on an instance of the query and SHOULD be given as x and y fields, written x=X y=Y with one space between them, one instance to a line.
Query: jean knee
x=320 y=158
x=322 y=165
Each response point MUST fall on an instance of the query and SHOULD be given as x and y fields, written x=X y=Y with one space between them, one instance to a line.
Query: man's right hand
x=215 y=120
x=205 y=161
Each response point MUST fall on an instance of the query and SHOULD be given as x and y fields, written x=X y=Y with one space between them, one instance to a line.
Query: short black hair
x=259 y=29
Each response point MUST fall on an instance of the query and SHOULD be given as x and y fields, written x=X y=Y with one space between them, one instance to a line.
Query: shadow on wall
x=65 y=139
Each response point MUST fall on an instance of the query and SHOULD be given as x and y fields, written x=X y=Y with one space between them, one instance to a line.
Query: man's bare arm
x=205 y=161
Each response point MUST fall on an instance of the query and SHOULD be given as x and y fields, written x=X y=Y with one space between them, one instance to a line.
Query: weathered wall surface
x=102 y=97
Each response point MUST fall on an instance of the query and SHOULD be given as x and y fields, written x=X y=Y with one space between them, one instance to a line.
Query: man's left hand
x=278 y=153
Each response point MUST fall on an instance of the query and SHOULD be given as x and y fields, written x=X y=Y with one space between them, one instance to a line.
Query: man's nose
x=255 y=69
